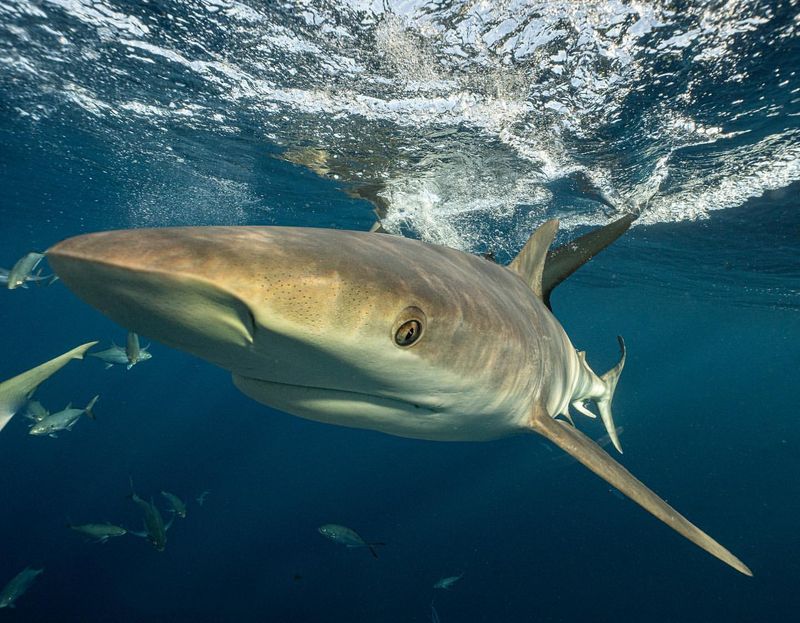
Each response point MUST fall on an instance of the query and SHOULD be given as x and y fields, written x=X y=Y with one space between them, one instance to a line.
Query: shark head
x=344 y=327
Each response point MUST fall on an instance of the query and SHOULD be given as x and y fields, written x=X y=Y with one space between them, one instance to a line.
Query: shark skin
x=366 y=330
x=15 y=392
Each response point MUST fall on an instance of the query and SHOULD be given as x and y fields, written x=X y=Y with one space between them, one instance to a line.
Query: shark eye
x=408 y=333
x=409 y=327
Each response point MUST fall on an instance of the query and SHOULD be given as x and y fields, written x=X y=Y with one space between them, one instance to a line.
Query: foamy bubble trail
x=470 y=119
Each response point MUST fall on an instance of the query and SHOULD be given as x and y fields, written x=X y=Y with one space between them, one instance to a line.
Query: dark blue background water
x=709 y=311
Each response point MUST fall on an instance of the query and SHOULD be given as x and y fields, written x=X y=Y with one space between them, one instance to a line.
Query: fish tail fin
x=586 y=451
x=609 y=380
x=372 y=547
x=90 y=406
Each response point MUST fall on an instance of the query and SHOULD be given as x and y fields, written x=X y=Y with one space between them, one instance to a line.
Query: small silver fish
x=447 y=583
x=63 y=420
x=36 y=411
x=17 y=586
x=118 y=355
x=434 y=615
x=155 y=531
x=347 y=537
x=38 y=279
x=133 y=352
x=101 y=532
x=21 y=271
x=176 y=504
x=202 y=497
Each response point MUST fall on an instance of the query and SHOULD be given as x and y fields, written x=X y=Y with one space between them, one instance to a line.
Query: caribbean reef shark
x=371 y=330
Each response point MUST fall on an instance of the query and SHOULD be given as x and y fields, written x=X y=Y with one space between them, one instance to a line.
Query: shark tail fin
x=566 y=259
x=90 y=406
x=587 y=452
x=609 y=380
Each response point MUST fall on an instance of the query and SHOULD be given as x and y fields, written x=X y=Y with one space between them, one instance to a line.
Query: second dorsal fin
x=529 y=263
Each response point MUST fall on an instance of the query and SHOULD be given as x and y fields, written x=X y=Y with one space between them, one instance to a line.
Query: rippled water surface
x=460 y=123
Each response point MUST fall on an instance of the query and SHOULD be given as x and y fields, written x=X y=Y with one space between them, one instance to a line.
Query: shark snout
x=170 y=285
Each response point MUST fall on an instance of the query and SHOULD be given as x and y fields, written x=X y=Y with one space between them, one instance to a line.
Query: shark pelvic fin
x=586 y=451
x=530 y=262
x=566 y=259
x=581 y=408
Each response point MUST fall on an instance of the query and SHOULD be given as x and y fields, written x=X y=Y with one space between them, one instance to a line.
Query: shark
x=374 y=331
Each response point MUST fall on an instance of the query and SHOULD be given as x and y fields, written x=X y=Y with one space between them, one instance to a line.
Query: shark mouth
x=291 y=397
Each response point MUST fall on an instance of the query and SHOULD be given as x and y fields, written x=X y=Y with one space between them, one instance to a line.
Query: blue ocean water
x=467 y=124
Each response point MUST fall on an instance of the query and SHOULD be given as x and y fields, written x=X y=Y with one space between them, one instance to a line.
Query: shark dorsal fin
x=569 y=257
x=529 y=264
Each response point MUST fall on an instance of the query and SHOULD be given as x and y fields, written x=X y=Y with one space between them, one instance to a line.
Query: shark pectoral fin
x=577 y=445
x=568 y=258
x=16 y=391
x=529 y=263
